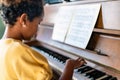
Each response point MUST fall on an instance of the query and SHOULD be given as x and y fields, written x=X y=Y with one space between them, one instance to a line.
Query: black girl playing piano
x=17 y=60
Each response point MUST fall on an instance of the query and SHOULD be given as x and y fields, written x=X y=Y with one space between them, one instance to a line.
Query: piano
x=102 y=53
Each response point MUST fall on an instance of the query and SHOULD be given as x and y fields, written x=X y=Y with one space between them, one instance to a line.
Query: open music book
x=74 y=24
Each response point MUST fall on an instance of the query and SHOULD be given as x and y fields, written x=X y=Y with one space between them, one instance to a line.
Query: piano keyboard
x=85 y=72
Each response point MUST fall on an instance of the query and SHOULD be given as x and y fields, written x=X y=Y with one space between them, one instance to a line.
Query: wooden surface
x=107 y=45
x=108 y=17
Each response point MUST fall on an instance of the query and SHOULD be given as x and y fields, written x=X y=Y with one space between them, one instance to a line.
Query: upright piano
x=102 y=53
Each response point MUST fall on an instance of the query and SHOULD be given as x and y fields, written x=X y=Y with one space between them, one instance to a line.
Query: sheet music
x=74 y=24
x=62 y=23
x=82 y=24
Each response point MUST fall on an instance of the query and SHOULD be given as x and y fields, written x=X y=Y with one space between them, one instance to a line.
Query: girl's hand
x=76 y=63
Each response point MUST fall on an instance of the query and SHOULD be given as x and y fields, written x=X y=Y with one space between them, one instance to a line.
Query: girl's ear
x=23 y=19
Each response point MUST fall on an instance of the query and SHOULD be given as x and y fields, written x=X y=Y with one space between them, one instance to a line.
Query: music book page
x=82 y=25
x=62 y=23
x=75 y=24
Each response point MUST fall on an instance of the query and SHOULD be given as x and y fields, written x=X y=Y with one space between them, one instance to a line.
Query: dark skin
x=23 y=29
x=69 y=68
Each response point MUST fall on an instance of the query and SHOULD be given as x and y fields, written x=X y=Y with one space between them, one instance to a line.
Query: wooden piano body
x=104 y=40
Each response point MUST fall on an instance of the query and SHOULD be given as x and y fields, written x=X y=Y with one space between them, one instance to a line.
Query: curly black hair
x=10 y=13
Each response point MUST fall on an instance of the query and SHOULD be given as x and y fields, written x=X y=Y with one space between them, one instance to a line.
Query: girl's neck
x=10 y=32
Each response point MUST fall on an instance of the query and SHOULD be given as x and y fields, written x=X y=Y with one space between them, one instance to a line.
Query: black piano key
x=95 y=74
x=82 y=65
x=89 y=74
x=113 y=78
x=107 y=78
x=55 y=55
x=84 y=69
